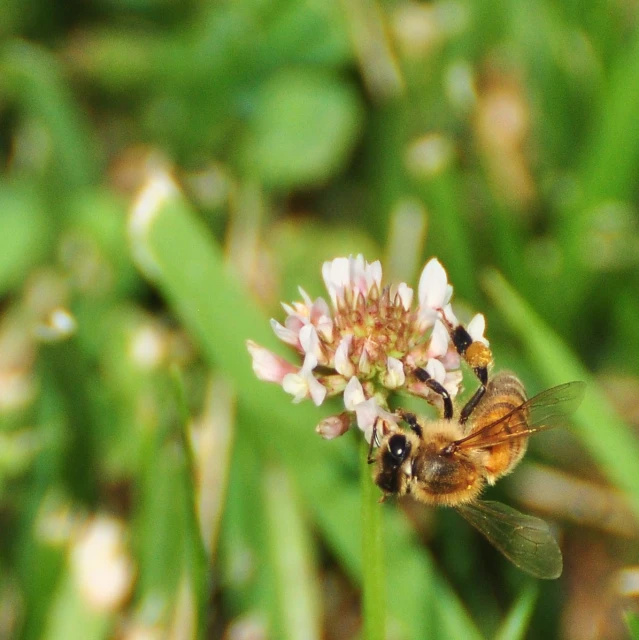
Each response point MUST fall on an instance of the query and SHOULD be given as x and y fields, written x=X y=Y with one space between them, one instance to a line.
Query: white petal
x=438 y=345
x=340 y=273
x=307 y=299
x=296 y=385
x=302 y=384
x=284 y=334
x=451 y=318
x=451 y=360
x=310 y=362
x=476 y=328
x=448 y=294
x=343 y=364
x=433 y=286
x=374 y=275
x=436 y=370
x=353 y=394
x=320 y=312
x=324 y=325
x=367 y=413
x=395 y=373
x=452 y=382
x=309 y=340
x=426 y=318
x=405 y=294
x=289 y=310
x=316 y=389
x=336 y=274
x=364 y=365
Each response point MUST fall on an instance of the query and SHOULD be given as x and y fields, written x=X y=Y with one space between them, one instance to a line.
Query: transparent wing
x=524 y=540
x=546 y=410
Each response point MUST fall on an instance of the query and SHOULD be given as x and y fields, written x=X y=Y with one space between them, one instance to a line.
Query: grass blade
x=515 y=624
x=374 y=583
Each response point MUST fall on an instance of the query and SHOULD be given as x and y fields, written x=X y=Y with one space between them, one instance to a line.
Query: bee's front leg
x=423 y=376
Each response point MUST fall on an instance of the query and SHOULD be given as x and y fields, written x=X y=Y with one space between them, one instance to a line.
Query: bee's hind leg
x=478 y=356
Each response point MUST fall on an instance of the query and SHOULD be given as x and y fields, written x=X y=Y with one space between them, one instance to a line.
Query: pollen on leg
x=478 y=355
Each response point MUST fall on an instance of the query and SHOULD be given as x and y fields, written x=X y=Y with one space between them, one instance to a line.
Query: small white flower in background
x=367 y=343
x=100 y=565
x=59 y=325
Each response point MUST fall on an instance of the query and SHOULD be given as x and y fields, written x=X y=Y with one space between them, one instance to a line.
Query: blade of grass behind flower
x=515 y=624
x=632 y=622
x=32 y=76
x=176 y=251
x=610 y=442
x=296 y=580
x=71 y=618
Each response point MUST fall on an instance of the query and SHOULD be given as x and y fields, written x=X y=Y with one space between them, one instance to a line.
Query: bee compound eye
x=398 y=447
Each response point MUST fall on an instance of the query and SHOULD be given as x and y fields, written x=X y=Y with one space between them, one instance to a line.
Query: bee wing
x=546 y=410
x=524 y=540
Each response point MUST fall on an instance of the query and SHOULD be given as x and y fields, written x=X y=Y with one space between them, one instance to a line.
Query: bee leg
x=423 y=376
x=469 y=407
x=478 y=356
x=411 y=420
x=370 y=458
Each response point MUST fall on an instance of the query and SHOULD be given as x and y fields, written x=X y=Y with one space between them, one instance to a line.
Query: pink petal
x=267 y=365
x=285 y=334
x=333 y=426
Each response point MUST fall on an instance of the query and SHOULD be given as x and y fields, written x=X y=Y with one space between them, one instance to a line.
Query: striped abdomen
x=504 y=395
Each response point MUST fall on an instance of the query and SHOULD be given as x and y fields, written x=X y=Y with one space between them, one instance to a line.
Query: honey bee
x=448 y=462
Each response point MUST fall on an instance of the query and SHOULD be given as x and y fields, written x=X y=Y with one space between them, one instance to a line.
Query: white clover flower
x=367 y=343
x=101 y=567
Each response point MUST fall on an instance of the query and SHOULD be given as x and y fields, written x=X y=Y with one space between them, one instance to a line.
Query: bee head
x=398 y=449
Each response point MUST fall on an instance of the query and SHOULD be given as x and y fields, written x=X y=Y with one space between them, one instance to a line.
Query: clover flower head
x=367 y=343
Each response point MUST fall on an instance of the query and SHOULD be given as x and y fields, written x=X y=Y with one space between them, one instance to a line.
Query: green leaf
x=23 y=240
x=303 y=131
x=34 y=79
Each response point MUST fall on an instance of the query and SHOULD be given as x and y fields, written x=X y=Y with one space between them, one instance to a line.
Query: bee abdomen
x=502 y=406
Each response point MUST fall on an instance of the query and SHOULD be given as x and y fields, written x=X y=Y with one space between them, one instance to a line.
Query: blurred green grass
x=500 y=137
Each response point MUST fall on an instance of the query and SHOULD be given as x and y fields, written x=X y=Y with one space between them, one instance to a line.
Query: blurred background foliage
x=150 y=486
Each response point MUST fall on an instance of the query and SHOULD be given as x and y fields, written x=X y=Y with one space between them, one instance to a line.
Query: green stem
x=374 y=582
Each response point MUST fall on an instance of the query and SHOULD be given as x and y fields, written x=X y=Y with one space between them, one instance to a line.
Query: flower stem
x=374 y=583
